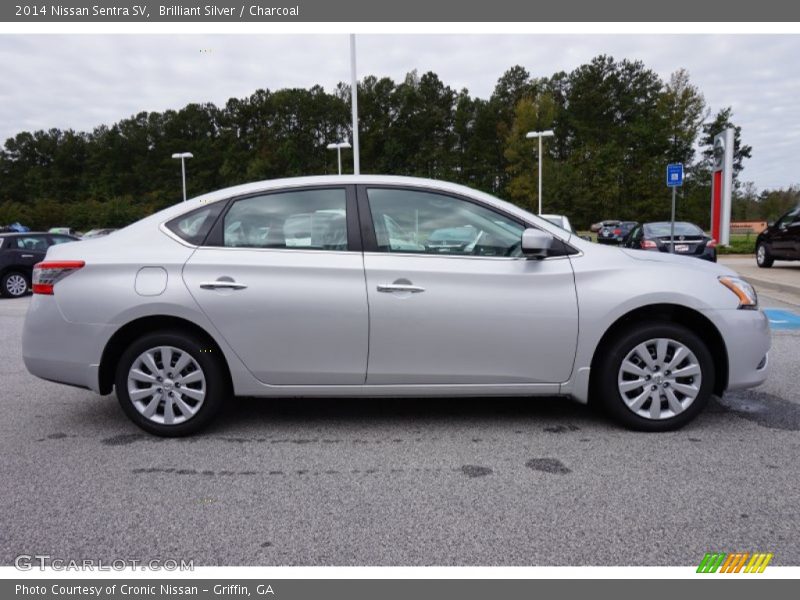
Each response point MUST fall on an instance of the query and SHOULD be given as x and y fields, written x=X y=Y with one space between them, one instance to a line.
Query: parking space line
x=782 y=319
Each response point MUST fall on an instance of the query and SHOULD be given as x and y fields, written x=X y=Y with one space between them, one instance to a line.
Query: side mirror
x=536 y=243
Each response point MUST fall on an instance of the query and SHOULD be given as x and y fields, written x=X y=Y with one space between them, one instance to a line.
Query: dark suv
x=780 y=241
x=18 y=253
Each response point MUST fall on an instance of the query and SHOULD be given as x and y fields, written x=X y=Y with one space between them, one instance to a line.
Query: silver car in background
x=332 y=286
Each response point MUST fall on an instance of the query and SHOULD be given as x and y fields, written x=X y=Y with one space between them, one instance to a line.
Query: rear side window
x=299 y=219
x=32 y=242
x=193 y=227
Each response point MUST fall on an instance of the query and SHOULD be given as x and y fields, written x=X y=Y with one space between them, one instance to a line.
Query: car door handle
x=27 y=256
x=388 y=288
x=220 y=285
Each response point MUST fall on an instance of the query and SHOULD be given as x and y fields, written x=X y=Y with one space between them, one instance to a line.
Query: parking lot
x=399 y=482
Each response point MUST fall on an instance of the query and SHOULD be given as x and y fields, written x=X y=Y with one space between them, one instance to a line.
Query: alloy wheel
x=659 y=379
x=166 y=385
x=16 y=285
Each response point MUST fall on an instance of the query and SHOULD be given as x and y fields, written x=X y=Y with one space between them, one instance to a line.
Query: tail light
x=618 y=232
x=712 y=243
x=47 y=274
x=649 y=244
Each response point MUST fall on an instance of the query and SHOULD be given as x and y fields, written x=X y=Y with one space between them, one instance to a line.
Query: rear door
x=281 y=276
x=475 y=312
x=27 y=250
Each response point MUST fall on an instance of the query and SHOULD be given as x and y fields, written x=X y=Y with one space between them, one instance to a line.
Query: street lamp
x=540 y=135
x=338 y=147
x=183 y=156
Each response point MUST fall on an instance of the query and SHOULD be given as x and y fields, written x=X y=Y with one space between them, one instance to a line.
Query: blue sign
x=675 y=175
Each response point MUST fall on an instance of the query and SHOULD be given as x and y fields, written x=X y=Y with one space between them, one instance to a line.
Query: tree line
x=617 y=124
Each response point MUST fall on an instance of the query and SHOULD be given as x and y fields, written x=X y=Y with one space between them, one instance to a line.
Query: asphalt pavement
x=398 y=482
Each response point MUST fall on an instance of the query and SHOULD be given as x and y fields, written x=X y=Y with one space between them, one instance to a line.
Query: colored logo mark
x=737 y=562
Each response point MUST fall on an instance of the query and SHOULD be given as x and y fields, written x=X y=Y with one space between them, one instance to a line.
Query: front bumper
x=747 y=340
x=59 y=350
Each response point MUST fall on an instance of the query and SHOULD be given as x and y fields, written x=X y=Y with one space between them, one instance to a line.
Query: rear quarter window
x=193 y=227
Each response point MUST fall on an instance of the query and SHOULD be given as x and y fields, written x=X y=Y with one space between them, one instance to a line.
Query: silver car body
x=313 y=323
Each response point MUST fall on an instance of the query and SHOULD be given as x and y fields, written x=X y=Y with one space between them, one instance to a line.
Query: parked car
x=690 y=240
x=615 y=234
x=779 y=241
x=14 y=228
x=64 y=231
x=560 y=220
x=530 y=309
x=19 y=252
x=93 y=233
x=596 y=227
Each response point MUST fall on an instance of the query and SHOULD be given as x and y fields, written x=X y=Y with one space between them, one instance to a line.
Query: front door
x=452 y=300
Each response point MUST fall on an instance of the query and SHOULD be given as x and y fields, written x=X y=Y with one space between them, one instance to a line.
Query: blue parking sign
x=675 y=175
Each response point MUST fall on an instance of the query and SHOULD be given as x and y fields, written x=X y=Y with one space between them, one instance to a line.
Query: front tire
x=655 y=377
x=763 y=258
x=171 y=384
x=14 y=285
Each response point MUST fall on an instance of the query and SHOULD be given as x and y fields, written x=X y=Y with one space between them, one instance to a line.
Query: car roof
x=18 y=233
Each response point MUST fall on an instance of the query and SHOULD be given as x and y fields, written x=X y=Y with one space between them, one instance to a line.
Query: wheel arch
x=673 y=313
x=132 y=330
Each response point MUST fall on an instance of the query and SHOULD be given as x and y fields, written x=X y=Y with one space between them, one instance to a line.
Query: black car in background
x=779 y=241
x=690 y=240
x=18 y=253
x=615 y=234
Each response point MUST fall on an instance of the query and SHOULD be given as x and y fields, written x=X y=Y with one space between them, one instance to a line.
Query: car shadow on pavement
x=398 y=411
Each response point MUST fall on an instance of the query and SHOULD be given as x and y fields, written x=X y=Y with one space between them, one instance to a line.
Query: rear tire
x=14 y=285
x=171 y=383
x=655 y=377
x=763 y=257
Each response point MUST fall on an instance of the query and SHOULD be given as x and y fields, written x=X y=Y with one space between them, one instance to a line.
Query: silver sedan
x=383 y=286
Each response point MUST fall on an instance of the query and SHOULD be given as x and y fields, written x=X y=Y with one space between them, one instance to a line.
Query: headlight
x=743 y=290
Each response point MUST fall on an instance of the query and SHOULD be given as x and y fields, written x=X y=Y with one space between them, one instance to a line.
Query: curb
x=778 y=287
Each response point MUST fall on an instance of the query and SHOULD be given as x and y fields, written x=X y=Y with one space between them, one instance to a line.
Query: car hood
x=684 y=261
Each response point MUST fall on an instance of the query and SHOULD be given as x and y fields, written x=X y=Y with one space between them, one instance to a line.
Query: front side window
x=303 y=219
x=429 y=223
x=788 y=218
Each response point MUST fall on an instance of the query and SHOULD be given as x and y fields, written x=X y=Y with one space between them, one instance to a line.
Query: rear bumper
x=58 y=350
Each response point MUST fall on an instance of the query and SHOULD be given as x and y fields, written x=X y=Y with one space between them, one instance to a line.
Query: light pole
x=354 y=102
x=183 y=156
x=540 y=135
x=338 y=147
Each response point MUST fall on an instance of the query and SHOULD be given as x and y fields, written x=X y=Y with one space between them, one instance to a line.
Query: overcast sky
x=80 y=81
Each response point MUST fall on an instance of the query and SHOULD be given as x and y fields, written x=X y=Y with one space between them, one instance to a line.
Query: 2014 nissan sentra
x=333 y=286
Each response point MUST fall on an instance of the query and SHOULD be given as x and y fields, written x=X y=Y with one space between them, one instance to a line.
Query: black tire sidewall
x=622 y=345
x=768 y=260
x=217 y=388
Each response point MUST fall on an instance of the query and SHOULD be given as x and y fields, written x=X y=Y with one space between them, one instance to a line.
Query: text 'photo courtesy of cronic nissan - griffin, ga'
x=384 y=286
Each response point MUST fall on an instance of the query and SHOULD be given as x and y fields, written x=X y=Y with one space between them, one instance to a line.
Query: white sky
x=81 y=81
